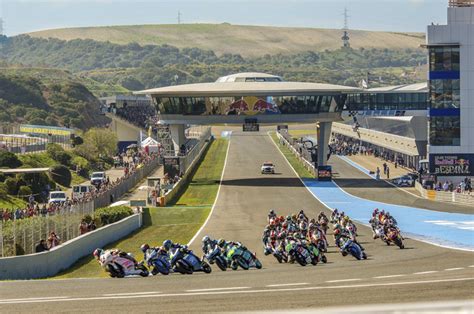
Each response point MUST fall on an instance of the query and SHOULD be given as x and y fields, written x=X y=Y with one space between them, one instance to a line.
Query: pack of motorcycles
x=184 y=261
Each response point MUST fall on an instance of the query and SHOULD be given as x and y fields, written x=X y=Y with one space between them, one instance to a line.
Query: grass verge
x=12 y=202
x=178 y=222
x=295 y=163
x=300 y=133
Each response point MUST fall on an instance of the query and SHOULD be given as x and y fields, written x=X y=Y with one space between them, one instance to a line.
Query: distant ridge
x=248 y=41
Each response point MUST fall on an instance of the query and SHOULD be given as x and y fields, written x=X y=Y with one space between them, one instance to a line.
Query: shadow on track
x=268 y=181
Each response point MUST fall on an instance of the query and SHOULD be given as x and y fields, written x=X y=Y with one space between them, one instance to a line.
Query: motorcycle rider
x=99 y=252
x=208 y=244
x=271 y=215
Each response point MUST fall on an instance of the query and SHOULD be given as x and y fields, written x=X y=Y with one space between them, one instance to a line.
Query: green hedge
x=108 y=215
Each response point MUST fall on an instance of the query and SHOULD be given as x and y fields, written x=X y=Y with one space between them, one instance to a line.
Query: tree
x=98 y=142
x=61 y=174
x=9 y=160
x=24 y=191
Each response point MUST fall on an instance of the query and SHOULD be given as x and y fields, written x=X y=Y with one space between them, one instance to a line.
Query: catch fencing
x=202 y=135
x=20 y=236
x=445 y=196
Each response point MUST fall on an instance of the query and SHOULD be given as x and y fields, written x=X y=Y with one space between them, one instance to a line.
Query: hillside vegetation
x=247 y=41
x=47 y=97
x=135 y=67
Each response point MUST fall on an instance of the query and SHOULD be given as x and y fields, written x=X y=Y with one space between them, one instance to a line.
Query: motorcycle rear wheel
x=221 y=265
x=242 y=263
x=324 y=259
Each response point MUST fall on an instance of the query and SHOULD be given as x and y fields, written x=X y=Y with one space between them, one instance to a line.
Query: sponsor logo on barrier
x=452 y=164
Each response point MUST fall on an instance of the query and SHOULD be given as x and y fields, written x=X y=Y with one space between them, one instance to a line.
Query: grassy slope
x=246 y=40
x=12 y=202
x=179 y=222
x=302 y=172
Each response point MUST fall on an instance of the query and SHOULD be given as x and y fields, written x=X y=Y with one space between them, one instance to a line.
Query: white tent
x=150 y=145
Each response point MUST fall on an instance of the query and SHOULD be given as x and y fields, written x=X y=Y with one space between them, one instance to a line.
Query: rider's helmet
x=281 y=219
x=301 y=212
x=284 y=225
x=336 y=231
x=288 y=218
x=311 y=226
x=387 y=214
x=221 y=243
x=346 y=218
x=272 y=212
x=97 y=253
x=144 y=247
x=167 y=244
x=301 y=217
x=206 y=239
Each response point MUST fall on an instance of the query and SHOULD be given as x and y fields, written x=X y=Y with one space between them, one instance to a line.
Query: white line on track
x=388 y=276
x=217 y=196
x=250 y=292
x=35 y=299
x=452 y=269
x=130 y=293
x=343 y=280
x=289 y=284
x=218 y=289
x=426 y=272
x=472 y=266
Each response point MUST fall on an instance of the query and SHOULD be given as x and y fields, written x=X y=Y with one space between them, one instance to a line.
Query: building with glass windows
x=451 y=92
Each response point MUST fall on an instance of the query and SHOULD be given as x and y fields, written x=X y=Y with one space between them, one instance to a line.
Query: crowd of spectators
x=45 y=245
x=465 y=186
x=142 y=116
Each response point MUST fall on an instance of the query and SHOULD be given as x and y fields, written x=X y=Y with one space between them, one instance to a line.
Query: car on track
x=404 y=181
x=268 y=167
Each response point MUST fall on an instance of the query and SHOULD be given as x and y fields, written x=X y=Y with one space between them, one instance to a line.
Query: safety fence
x=444 y=196
x=298 y=150
x=203 y=134
x=19 y=237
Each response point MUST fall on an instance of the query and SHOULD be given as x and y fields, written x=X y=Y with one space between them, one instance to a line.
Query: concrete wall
x=50 y=263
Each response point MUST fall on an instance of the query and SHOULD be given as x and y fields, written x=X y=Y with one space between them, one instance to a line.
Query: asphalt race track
x=419 y=273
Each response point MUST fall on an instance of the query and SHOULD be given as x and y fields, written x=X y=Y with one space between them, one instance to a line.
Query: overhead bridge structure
x=267 y=99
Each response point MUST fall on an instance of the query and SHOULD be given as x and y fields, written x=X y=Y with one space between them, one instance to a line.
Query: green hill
x=47 y=97
x=248 y=41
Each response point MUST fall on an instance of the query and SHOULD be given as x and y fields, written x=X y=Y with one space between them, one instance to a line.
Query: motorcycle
x=301 y=254
x=217 y=257
x=242 y=257
x=278 y=253
x=119 y=266
x=351 y=247
x=159 y=261
x=394 y=236
x=185 y=262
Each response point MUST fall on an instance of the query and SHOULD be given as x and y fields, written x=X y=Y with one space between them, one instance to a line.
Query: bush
x=108 y=215
x=61 y=175
x=2 y=177
x=81 y=164
x=9 y=160
x=3 y=190
x=12 y=186
x=24 y=191
x=63 y=158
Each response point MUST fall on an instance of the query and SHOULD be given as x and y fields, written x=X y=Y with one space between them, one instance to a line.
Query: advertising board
x=42 y=129
x=452 y=164
x=324 y=173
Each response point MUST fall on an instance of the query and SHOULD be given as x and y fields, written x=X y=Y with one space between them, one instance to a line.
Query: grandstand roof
x=407 y=88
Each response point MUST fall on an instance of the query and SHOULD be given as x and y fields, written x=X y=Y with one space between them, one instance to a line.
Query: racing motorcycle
x=217 y=257
x=279 y=253
x=119 y=266
x=393 y=236
x=159 y=261
x=185 y=261
x=242 y=257
x=301 y=254
x=350 y=247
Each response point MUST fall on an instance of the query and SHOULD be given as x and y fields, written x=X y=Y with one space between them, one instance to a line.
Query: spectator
x=41 y=246
x=92 y=226
x=377 y=174
x=83 y=227
x=53 y=240
x=388 y=172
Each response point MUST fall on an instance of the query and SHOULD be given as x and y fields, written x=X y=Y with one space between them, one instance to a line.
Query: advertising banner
x=41 y=129
x=324 y=173
x=452 y=164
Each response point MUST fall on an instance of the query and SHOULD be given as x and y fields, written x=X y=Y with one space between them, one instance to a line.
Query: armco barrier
x=170 y=195
x=309 y=166
x=46 y=264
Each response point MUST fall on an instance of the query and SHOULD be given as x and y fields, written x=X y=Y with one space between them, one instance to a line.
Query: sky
x=21 y=16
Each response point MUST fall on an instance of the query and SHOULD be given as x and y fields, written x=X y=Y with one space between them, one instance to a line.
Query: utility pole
x=1 y=20
x=345 y=37
x=179 y=17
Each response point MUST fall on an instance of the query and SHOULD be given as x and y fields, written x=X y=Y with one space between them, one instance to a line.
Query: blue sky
x=22 y=16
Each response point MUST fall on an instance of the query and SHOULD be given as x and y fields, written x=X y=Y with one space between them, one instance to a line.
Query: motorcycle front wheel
x=242 y=263
x=206 y=268
x=258 y=264
x=221 y=264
